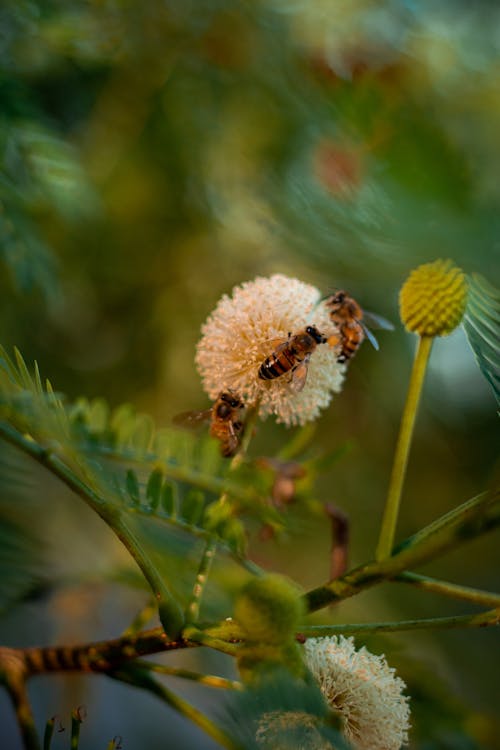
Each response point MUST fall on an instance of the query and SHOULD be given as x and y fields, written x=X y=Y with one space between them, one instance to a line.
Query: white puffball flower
x=363 y=689
x=247 y=327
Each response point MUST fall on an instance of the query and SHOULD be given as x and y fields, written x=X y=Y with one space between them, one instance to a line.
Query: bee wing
x=192 y=419
x=276 y=346
x=371 y=338
x=377 y=321
x=299 y=376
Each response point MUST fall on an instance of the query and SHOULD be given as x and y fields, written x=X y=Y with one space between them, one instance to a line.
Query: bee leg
x=299 y=375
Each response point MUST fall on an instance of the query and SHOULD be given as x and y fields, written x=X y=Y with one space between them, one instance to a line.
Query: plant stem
x=193 y=607
x=100 y=656
x=469 y=520
x=49 y=733
x=24 y=715
x=453 y=590
x=142 y=679
x=250 y=422
x=141 y=619
x=194 y=635
x=204 y=679
x=13 y=674
x=76 y=723
x=483 y=619
x=389 y=521
x=107 y=656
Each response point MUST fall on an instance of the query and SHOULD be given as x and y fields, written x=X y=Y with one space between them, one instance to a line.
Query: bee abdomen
x=349 y=349
x=274 y=367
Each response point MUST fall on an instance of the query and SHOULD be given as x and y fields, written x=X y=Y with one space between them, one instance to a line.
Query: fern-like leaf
x=482 y=328
x=21 y=548
x=153 y=487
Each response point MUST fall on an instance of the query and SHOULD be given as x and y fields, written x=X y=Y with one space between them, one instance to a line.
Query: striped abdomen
x=352 y=335
x=278 y=364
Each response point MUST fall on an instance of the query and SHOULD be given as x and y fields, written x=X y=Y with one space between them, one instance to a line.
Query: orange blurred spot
x=338 y=168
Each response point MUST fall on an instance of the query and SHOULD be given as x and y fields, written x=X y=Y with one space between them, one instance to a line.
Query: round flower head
x=432 y=300
x=246 y=328
x=363 y=689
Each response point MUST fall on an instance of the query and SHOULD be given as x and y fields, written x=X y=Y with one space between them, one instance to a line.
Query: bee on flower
x=293 y=356
x=267 y=342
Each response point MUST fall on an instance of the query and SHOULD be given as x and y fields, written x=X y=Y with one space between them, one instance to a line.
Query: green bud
x=269 y=609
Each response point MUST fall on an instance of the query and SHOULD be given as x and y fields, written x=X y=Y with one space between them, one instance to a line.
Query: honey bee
x=292 y=356
x=349 y=318
x=227 y=421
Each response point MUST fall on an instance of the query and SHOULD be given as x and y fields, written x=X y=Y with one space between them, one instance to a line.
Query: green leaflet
x=282 y=712
x=482 y=328
x=153 y=488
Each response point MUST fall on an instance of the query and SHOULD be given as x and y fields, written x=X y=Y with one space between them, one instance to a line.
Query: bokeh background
x=156 y=154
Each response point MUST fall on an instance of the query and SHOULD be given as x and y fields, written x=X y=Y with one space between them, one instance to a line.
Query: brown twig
x=13 y=674
x=102 y=656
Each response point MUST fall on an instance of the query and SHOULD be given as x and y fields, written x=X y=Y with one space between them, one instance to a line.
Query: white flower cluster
x=247 y=327
x=364 y=689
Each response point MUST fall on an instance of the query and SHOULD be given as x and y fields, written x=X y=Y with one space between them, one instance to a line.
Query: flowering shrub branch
x=274 y=348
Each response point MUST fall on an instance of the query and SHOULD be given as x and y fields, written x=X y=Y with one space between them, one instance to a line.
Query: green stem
x=453 y=590
x=76 y=723
x=141 y=619
x=481 y=620
x=49 y=733
x=477 y=516
x=250 y=422
x=193 y=607
x=193 y=635
x=228 y=630
x=389 y=521
x=142 y=679
x=204 y=679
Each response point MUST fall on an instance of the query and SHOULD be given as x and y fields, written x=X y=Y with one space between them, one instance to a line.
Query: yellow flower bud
x=432 y=300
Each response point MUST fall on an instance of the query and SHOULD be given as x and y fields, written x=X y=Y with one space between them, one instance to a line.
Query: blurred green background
x=155 y=154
